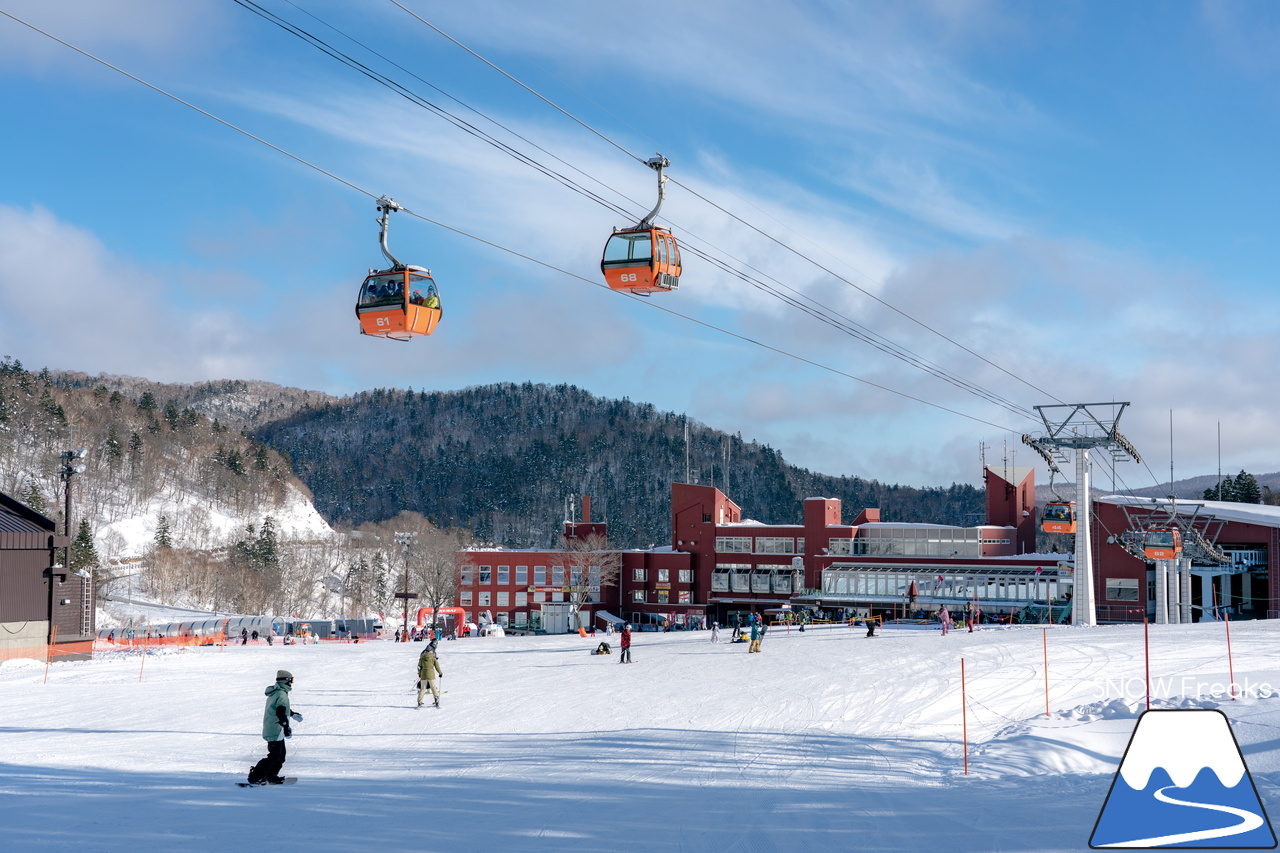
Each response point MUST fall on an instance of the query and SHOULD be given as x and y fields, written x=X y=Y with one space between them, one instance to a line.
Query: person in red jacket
x=625 y=657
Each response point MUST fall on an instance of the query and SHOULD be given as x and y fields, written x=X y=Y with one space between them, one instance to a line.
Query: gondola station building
x=1244 y=585
x=720 y=567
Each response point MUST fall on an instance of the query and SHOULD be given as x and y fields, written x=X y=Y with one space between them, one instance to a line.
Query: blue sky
x=1084 y=194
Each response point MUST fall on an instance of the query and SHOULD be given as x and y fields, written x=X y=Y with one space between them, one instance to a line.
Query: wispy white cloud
x=152 y=32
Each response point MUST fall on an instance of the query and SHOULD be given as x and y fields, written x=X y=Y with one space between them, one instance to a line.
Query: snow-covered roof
x=1261 y=514
x=751 y=522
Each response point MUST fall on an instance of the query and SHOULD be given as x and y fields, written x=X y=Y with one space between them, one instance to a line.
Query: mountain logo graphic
x=1183 y=783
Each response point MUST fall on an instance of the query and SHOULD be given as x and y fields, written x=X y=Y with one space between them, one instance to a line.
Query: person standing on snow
x=275 y=728
x=944 y=616
x=715 y=632
x=625 y=643
x=755 y=637
x=428 y=671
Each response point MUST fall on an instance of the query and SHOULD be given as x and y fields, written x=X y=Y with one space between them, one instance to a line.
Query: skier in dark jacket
x=275 y=728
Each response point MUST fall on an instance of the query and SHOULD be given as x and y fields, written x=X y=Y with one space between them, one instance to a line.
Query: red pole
x=53 y=644
x=964 y=715
x=1046 y=671
x=1230 y=665
x=146 y=642
x=1146 y=650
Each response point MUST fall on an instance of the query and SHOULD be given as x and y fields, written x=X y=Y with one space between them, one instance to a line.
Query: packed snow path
x=827 y=740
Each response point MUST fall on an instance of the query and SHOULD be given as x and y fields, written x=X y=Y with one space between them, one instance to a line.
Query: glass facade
x=916 y=542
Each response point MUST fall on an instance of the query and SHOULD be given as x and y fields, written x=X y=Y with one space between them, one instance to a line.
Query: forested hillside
x=501 y=460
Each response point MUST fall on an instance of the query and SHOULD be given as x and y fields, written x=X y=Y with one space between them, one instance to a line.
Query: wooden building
x=37 y=593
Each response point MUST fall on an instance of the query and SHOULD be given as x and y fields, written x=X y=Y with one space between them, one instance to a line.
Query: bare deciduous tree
x=591 y=565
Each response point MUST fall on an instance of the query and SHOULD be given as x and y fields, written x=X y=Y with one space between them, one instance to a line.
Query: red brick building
x=720 y=567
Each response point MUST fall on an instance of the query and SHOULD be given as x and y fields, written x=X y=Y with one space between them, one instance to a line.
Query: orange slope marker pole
x=1231 y=667
x=1146 y=653
x=53 y=644
x=1046 y=671
x=1226 y=619
x=964 y=716
x=145 y=642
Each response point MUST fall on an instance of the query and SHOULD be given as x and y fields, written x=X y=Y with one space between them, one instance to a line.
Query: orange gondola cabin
x=399 y=304
x=1058 y=517
x=641 y=261
x=1162 y=543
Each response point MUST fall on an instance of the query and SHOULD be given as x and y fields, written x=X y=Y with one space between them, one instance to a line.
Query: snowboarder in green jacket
x=275 y=728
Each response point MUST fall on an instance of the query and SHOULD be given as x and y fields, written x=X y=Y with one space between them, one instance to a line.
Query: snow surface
x=828 y=740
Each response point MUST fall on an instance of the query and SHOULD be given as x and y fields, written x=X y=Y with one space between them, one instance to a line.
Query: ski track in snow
x=828 y=739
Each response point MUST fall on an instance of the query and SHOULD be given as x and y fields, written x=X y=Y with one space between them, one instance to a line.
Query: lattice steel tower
x=1081 y=427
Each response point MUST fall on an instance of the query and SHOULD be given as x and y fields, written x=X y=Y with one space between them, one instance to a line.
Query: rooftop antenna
x=686 y=449
x=1173 y=497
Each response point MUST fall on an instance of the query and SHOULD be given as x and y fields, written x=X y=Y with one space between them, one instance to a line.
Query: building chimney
x=586 y=509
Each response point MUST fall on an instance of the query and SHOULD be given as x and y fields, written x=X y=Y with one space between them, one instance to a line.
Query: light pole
x=406 y=540
x=70 y=467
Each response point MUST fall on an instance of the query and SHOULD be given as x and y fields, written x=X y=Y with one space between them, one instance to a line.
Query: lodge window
x=504 y=575
x=638 y=575
x=1122 y=589
x=664 y=596
x=522 y=575
x=664 y=575
x=637 y=595
x=686 y=597
x=733 y=544
x=522 y=599
x=486 y=575
x=504 y=598
x=466 y=576
x=464 y=598
x=775 y=545
x=557 y=575
x=484 y=599
x=686 y=576
x=539 y=575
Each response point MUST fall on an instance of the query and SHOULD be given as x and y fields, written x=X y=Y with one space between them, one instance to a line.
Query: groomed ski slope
x=828 y=740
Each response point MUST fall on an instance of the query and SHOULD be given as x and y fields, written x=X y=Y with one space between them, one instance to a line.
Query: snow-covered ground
x=828 y=740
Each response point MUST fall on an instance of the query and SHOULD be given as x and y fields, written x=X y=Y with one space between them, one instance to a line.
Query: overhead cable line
x=732 y=215
x=818 y=311
x=409 y=95
x=513 y=252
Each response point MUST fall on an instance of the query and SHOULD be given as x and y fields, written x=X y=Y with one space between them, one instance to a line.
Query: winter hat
x=283 y=675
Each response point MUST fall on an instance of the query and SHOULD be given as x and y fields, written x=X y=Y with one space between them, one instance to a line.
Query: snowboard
x=288 y=780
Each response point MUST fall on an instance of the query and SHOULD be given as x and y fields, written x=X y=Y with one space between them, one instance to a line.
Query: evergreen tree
x=113 y=447
x=34 y=498
x=267 y=549
x=84 y=557
x=164 y=536
x=1247 y=489
x=171 y=414
x=1224 y=491
x=135 y=449
x=148 y=402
